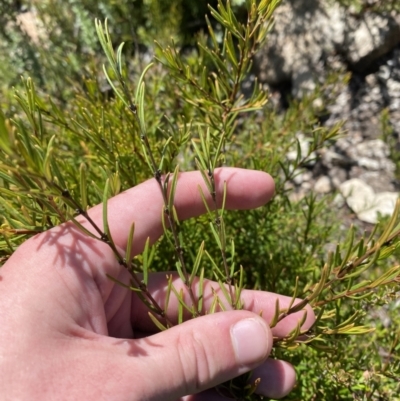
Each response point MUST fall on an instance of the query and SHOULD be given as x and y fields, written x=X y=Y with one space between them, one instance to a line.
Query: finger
x=259 y=302
x=200 y=354
x=277 y=379
x=143 y=205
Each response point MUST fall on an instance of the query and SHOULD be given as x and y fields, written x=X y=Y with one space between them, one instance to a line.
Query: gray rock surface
x=308 y=32
x=313 y=37
x=369 y=37
x=368 y=205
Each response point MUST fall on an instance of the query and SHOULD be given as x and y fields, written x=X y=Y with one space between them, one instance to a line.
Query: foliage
x=108 y=129
x=64 y=44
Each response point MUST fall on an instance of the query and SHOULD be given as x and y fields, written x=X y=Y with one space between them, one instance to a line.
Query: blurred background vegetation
x=54 y=43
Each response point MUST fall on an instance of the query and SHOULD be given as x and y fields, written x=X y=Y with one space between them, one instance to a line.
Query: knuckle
x=196 y=361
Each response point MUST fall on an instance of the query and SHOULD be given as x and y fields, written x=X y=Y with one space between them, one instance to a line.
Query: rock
x=304 y=31
x=323 y=185
x=367 y=205
x=30 y=24
x=373 y=155
x=303 y=81
x=351 y=157
x=312 y=37
x=370 y=37
x=379 y=181
x=337 y=175
x=308 y=32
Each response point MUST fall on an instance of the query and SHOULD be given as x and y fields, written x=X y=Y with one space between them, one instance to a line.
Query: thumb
x=200 y=354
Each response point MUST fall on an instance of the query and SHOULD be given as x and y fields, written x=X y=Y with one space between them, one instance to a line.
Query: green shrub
x=95 y=137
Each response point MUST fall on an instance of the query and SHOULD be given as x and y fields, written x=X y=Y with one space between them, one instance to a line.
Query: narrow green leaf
x=275 y=318
x=212 y=34
x=175 y=217
x=9 y=193
x=221 y=305
x=146 y=156
x=83 y=186
x=172 y=188
x=180 y=308
x=205 y=147
x=140 y=107
x=219 y=64
x=197 y=263
x=128 y=252
x=217 y=16
x=294 y=334
x=180 y=272
x=349 y=247
x=203 y=198
x=119 y=59
x=215 y=268
x=218 y=151
x=84 y=229
x=214 y=304
x=390 y=225
x=216 y=236
x=222 y=234
x=5 y=142
x=230 y=50
x=120 y=283
x=320 y=286
x=364 y=283
x=225 y=292
x=140 y=82
x=116 y=91
x=57 y=176
x=361 y=296
x=295 y=293
x=239 y=289
x=158 y=324
x=105 y=41
x=146 y=264
x=199 y=155
x=168 y=293
x=180 y=299
x=205 y=177
x=223 y=199
x=232 y=257
x=105 y=210
x=203 y=78
x=200 y=292
x=364 y=267
x=389 y=275
x=164 y=153
x=337 y=259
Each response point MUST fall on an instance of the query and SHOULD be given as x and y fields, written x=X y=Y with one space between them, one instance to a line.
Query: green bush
x=68 y=144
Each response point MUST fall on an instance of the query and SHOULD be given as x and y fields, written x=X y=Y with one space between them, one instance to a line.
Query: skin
x=69 y=333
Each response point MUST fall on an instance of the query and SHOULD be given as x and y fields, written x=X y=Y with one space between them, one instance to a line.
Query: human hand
x=69 y=333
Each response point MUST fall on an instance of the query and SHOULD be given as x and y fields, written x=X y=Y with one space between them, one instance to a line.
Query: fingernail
x=250 y=341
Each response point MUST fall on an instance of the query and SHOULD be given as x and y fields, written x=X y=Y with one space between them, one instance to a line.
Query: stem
x=171 y=221
x=350 y=266
x=217 y=222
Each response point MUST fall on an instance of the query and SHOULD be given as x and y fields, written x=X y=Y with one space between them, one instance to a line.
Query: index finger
x=143 y=205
